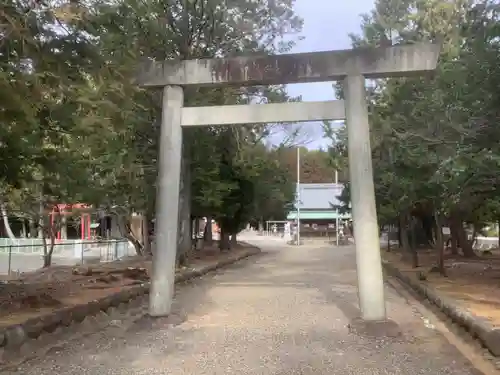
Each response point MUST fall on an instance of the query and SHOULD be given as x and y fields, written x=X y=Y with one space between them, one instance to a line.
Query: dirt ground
x=474 y=283
x=37 y=293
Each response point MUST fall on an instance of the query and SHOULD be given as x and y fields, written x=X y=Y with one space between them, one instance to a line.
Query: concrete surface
x=284 y=312
x=169 y=234
x=263 y=113
x=382 y=62
x=488 y=334
x=362 y=196
x=32 y=262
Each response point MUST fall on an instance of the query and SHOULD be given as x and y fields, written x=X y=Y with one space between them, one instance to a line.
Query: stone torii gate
x=351 y=66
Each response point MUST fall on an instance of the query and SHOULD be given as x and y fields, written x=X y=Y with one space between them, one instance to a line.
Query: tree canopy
x=75 y=127
x=434 y=139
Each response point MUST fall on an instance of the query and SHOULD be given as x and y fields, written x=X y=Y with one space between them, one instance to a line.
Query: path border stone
x=35 y=336
x=479 y=328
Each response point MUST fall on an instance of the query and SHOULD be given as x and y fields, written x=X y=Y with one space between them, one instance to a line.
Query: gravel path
x=285 y=312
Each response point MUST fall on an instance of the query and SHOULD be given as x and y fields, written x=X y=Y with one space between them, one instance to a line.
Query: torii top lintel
x=395 y=61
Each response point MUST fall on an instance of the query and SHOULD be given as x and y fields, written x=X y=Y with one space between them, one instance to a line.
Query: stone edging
x=478 y=328
x=36 y=336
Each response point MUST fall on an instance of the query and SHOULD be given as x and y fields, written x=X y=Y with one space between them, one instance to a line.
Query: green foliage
x=75 y=127
x=434 y=139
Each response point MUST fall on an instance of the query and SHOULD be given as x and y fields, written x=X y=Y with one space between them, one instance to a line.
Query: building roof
x=317 y=215
x=319 y=196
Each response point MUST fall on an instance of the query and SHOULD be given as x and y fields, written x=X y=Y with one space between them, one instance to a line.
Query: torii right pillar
x=364 y=212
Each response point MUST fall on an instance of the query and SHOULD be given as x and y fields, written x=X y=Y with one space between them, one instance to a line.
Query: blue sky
x=327 y=24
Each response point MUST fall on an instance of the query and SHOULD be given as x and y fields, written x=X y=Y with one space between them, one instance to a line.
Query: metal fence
x=327 y=234
x=25 y=255
x=485 y=243
x=480 y=243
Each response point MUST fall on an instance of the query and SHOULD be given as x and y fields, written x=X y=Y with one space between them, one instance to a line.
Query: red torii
x=85 y=217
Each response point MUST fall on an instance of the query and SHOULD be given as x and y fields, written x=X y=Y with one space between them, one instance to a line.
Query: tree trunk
x=400 y=238
x=145 y=235
x=465 y=244
x=32 y=228
x=192 y=237
x=472 y=240
x=389 y=238
x=454 y=243
x=24 y=231
x=46 y=257
x=413 y=244
x=40 y=217
x=440 y=245
x=454 y=235
x=135 y=222
x=64 y=227
x=48 y=248
x=6 y=223
x=184 y=243
x=427 y=228
x=126 y=231
x=405 y=237
x=498 y=231
x=208 y=235
x=196 y=225
x=234 y=241
x=224 y=243
x=137 y=244
x=197 y=232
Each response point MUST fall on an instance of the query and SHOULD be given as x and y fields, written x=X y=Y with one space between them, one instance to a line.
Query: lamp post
x=298 y=196
x=336 y=212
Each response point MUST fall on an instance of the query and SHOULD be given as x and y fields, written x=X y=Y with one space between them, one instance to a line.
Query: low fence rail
x=25 y=255
x=480 y=243
x=327 y=234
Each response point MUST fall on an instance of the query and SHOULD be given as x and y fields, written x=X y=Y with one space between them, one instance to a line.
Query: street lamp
x=298 y=196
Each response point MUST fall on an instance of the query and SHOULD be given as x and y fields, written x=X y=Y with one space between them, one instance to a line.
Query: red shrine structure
x=66 y=209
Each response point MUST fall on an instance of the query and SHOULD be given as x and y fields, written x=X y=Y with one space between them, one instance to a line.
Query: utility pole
x=337 y=211
x=298 y=196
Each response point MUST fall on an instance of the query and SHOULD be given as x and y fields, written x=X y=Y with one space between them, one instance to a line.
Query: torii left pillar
x=167 y=204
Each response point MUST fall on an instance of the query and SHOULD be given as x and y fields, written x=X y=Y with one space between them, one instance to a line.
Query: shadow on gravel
x=197 y=321
x=197 y=301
